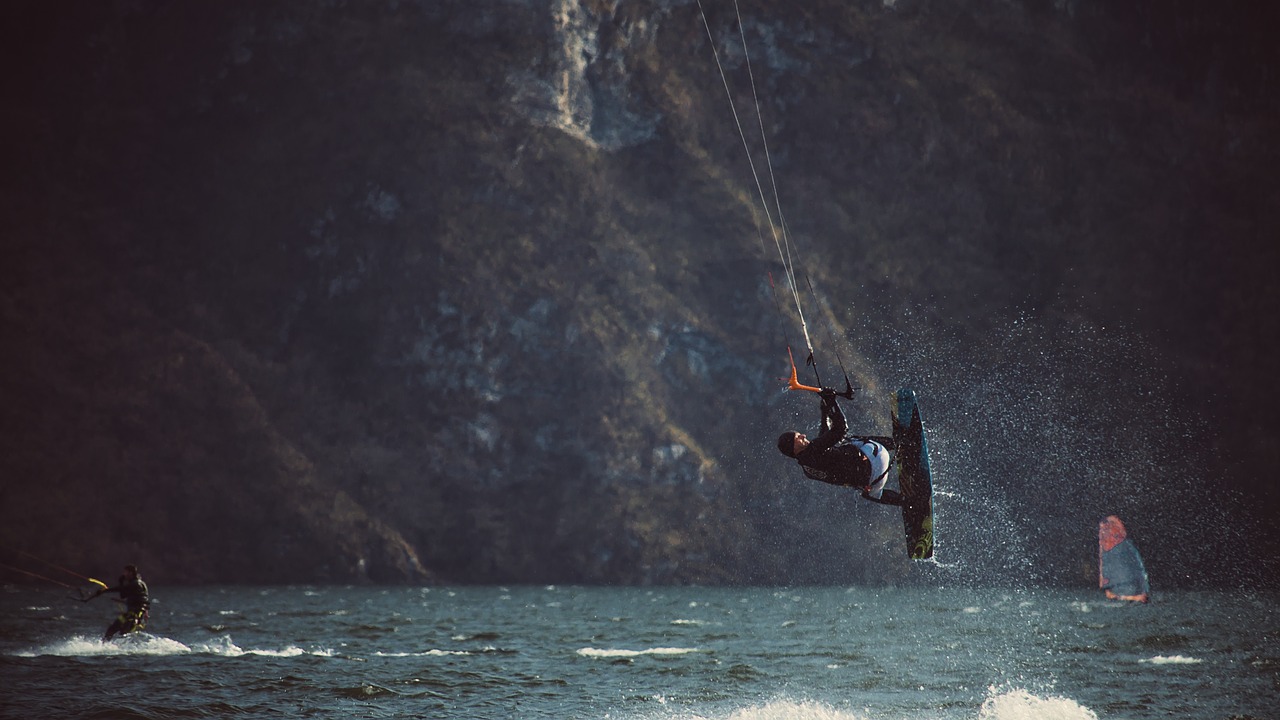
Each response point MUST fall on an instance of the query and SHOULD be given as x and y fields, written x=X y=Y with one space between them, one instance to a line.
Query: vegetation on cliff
x=435 y=292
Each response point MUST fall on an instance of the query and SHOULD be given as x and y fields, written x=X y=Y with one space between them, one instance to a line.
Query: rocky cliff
x=439 y=291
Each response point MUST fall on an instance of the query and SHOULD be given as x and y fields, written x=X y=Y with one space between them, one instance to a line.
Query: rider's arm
x=834 y=425
x=100 y=591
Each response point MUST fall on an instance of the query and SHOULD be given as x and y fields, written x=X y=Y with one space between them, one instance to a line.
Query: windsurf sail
x=1121 y=574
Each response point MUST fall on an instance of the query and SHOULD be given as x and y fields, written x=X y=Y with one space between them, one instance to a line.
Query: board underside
x=914 y=477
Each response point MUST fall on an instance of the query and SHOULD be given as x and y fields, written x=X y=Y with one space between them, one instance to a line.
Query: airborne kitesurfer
x=136 y=599
x=861 y=462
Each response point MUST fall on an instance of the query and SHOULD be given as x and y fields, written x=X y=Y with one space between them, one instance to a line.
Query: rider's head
x=790 y=443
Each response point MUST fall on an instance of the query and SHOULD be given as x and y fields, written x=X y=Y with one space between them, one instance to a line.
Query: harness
x=825 y=476
x=893 y=458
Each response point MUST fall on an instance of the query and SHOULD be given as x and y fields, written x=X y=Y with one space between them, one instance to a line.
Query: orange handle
x=794 y=384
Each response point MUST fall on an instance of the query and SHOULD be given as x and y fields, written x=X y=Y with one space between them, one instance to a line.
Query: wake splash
x=147 y=644
x=133 y=644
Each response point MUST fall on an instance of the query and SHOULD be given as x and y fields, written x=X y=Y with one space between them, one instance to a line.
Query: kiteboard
x=914 y=478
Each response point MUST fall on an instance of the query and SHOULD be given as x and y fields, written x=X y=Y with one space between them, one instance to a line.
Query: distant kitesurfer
x=861 y=462
x=136 y=599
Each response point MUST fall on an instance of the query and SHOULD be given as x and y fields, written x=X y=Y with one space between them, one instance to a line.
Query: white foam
x=224 y=646
x=425 y=653
x=1172 y=660
x=1022 y=705
x=133 y=644
x=784 y=710
x=146 y=643
x=617 y=653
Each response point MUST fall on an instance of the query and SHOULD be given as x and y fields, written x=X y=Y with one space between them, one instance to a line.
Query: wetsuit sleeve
x=834 y=426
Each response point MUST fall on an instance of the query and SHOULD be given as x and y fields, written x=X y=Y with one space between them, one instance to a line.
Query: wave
x=1008 y=705
x=791 y=710
x=781 y=710
x=1022 y=705
x=1172 y=660
x=431 y=653
x=616 y=653
x=224 y=647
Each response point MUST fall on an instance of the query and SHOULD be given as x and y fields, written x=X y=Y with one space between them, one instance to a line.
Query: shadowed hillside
x=403 y=292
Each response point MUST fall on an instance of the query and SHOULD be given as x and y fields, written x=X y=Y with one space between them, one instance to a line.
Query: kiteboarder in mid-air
x=861 y=462
x=136 y=599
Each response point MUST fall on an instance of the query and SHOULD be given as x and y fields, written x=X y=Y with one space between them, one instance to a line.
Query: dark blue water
x=714 y=653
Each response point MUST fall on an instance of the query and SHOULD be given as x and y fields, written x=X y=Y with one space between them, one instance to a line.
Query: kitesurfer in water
x=834 y=459
x=136 y=599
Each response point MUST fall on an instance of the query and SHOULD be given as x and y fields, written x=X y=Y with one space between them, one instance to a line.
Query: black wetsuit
x=137 y=603
x=830 y=459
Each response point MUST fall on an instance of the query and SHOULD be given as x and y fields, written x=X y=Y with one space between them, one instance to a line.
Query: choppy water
x=652 y=654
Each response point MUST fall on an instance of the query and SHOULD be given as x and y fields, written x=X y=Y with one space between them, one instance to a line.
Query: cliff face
x=425 y=291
